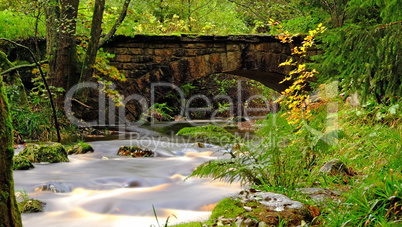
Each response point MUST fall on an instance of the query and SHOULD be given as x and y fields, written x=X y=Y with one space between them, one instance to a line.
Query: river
x=103 y=189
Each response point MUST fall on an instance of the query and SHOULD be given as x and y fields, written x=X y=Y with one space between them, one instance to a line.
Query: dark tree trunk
x=66 y=67
x=93 y=45
x=9 y=213
x=96 y=31
x=52 y=13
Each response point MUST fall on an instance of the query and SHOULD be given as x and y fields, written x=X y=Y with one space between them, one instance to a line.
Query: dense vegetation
x=361 y=46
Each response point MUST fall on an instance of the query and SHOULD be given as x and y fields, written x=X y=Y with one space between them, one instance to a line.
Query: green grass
x=16 y=25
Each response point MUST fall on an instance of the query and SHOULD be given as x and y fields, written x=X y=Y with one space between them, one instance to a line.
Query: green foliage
x=17 y=25
x=228 y=208
x=79 y=148
x=364 y=55
x=373 y=203
x=274 y=161
x=28 y=205
x=22 y=163
x=158 y=112
x=45 y=153
x=34 y=121
x=209 y=133
x=167 y=17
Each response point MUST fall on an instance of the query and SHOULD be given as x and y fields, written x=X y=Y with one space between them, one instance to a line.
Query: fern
x=270 y=162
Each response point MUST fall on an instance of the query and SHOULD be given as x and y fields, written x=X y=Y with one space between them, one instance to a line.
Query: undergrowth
x=284 y=159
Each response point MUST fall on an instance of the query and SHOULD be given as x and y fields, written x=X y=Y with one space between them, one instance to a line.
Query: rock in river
x=135 y=152
x=45 y=153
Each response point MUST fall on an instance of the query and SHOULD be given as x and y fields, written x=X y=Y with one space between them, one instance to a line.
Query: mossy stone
x=135 y=152
x=31 y=206
x=228 y=207
x=45 y=153
x=22 y=163
x=79 y=148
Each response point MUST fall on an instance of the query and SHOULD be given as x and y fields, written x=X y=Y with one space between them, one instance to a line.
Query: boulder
x=54 y=186
x=22 y=163
x=45 y=153
x=320 y=194
x=31 y=206
x=336 y=167
x=198 y=144
x=79 y=148
x=135 y=152
x=265 y=209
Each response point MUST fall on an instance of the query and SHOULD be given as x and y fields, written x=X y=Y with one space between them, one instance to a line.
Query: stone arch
x=179 y=59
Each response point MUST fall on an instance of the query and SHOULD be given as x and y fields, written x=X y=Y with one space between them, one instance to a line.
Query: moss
x=31 y=206
x=135 y=151
x=8 y=203
x=45 y=153
x=79 y=148
x=228 y=207
x=22 y=163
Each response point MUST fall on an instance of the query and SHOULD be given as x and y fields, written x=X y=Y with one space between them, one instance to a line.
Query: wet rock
x=180 y=118
x=55 y=187
x=22 y=163
x=246 y=125
x=198 y=144
x=79 y=148
x=273 y=201
x=260 y=209
x=17 y=138
x=135 y=152
x=336 y=167
x=225 y=221
x=320 y=194
x=353 y=100
x=31 y=206
x=45 y=153
x=238 y=119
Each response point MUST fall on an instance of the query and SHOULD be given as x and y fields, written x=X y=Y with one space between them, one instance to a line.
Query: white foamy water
x=121 y=191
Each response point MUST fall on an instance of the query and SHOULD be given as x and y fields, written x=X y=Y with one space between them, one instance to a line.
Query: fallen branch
x=81 y=103
x=21 y=67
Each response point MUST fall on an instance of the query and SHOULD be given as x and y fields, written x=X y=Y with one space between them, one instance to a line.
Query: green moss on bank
x=22 y=163
x=79 y=148
x=45 y=153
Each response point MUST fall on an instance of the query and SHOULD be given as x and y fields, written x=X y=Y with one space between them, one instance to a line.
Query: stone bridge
x=181 y=59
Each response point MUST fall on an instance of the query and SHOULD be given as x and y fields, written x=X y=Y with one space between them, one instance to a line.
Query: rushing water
x=103 y=189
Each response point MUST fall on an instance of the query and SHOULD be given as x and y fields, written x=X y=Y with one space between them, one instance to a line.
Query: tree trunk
x=61 y=49
x=52 y=13
x=9 y=215
x=93 y=45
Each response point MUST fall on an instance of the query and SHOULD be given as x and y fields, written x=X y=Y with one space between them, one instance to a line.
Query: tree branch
x=22 y=67
x=117 y=24
x=247 y=7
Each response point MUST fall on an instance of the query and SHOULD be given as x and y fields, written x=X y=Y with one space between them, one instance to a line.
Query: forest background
x=361 y=47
